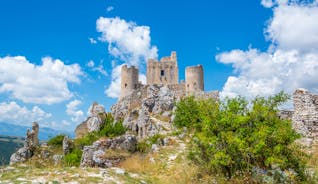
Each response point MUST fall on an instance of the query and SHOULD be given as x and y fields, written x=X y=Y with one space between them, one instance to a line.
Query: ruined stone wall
x=285 y=114
x=194 y=79
x=163 y=72
x=129 y=80
x=305 y=117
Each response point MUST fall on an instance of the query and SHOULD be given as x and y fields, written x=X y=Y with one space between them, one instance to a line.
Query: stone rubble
x=96 y=154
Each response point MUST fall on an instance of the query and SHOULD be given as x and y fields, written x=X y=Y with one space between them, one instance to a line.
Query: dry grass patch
x=157 y=168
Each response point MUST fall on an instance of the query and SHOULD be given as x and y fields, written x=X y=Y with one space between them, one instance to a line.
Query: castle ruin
x=163 y=72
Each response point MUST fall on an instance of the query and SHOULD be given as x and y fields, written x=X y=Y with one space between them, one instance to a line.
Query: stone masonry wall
x=194 y=78
x=163 y=72
x=305 y=117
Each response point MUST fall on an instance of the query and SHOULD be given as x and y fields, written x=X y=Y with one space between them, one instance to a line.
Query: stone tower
x=194 y=78
x=129 y=80
x=163 y=72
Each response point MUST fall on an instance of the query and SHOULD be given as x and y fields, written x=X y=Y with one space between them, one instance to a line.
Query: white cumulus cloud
x=73 y=111
x=127 y=42
x=267 y=3
x=11 y=112
x=294 y=26
x=292 y=58
x=40 y=84
x=110 y=8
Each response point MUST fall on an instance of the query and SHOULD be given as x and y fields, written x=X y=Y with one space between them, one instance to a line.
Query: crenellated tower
x=163 y=72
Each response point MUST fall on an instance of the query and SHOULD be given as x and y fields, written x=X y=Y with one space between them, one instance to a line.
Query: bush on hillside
x=73 y=158
x=111 y=129
x=108 y=129
x=86 y=140
x=235 y=137
x=145 y=145
x=56 y=141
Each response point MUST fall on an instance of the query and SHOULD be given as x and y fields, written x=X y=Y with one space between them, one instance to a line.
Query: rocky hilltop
x=146 y=116
x=148 y=110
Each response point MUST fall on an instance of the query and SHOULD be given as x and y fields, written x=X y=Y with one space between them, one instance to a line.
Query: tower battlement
x=163 y=72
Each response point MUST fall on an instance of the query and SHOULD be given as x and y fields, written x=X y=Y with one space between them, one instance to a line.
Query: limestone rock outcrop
x=30 y=144
x=95 y=109
x=22 y=155
x=148 y=110
x=101 y=153
x=81 y=130
x=67 y=145
x=93 y=122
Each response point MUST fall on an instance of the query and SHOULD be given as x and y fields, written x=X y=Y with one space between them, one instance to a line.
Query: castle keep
x=163 y=72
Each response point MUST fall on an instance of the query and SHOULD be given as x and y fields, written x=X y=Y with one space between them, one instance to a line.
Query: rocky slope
x=147 y=114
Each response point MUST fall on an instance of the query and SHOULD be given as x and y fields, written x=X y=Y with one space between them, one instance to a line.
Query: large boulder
x=81 y=130
x=95 y=109
x=22 y=155
x=100 y=154
x=93 y=122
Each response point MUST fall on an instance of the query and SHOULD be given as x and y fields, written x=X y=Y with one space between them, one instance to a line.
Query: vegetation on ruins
x=235 y=138
x=56 y=141
x=108 y=129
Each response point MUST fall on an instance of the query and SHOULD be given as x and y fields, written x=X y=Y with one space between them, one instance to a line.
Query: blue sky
x=58 y=57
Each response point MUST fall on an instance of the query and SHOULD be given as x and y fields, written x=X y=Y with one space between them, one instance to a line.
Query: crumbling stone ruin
x=163 y=72
x=31 y=142
x=305 y=116
x=96 y=155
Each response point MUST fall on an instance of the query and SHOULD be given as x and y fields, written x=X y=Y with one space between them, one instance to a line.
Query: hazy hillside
x=8 y=145
x=16 y=130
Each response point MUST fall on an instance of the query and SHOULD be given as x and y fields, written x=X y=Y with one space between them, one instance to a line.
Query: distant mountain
x=20 y=131
x=9 y=145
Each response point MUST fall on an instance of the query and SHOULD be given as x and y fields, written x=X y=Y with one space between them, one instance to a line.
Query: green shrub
x=111 y=129
x=233 y=137
x=88 y=139
x=145 y=145
x=186 y=109
x=156 y=139
x=108 y=129
x=56 y=141
x=73 y=158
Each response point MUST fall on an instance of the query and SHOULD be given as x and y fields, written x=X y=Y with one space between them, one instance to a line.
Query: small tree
x=234 y=136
